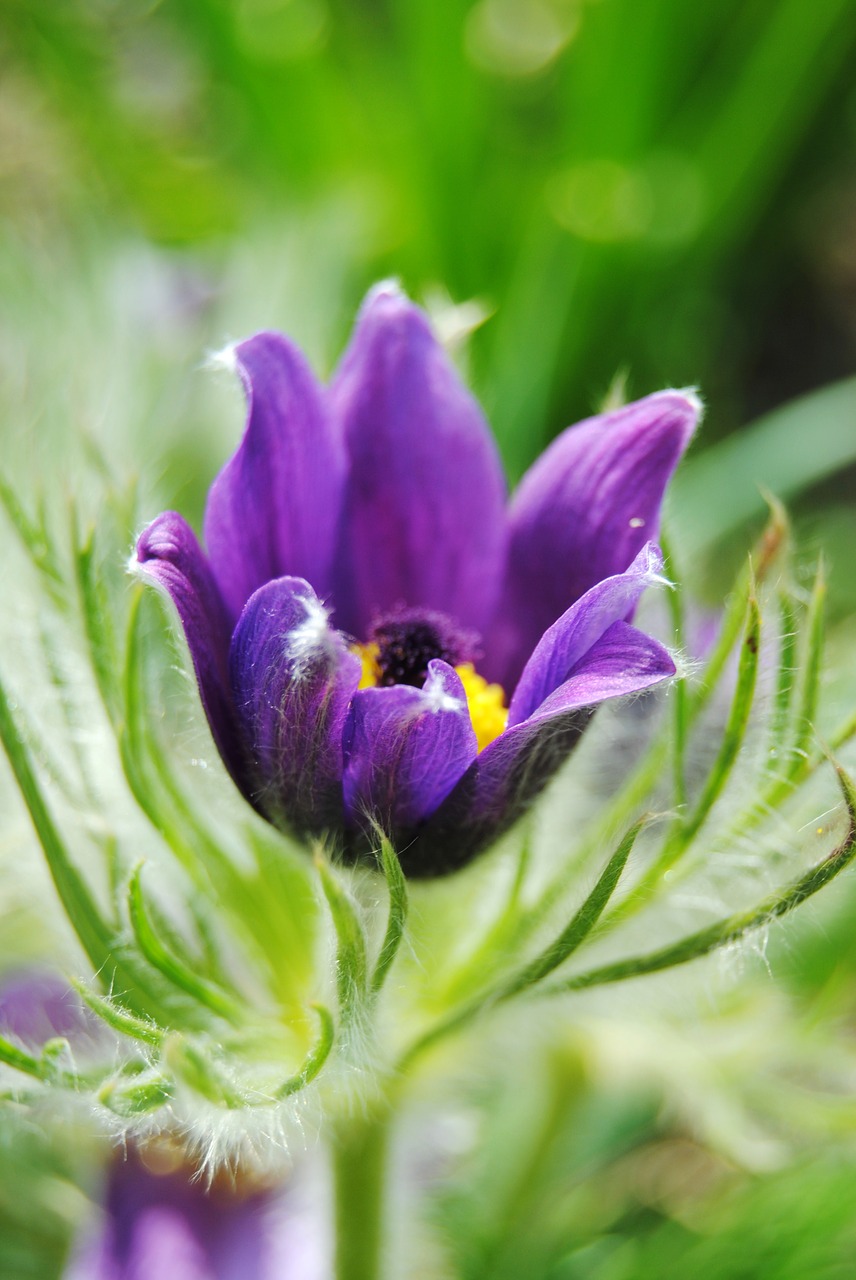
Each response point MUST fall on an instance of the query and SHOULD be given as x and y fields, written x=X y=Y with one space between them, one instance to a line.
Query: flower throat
x=402 y=643
x=405 y=641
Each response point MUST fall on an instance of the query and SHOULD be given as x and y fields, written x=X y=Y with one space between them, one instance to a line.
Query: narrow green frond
x=686 y=829
x=351 y=953
x=95 y=935
x=12 y=1056
x=317 y=1056
x=97 y=622
x=169 y=965
x=582 y=923
x=397 y=918
x=119 y=1019
x=35 y=539
x=137 y=1098
x=734 y=927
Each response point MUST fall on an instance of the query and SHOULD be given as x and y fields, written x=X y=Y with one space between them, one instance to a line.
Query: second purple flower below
x=378 y=636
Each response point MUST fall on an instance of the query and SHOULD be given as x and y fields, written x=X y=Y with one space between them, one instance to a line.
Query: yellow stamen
x=367 y=654
x=485 y=701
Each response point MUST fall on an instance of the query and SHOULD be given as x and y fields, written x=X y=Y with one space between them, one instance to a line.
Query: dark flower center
x=408 y=639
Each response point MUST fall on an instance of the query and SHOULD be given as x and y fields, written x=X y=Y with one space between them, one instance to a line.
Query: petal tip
x=387 y=304
x=648 y=564
x=161 y=538
x=312 y=637
x=685 y=667
x=135 y=567
x=654 y=575
x=225 y=358
x=689 y=404
x=390 y=289
x=443 y=689
x=150 y=545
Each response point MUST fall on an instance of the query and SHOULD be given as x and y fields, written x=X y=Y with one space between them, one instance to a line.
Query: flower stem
x=359 y=1184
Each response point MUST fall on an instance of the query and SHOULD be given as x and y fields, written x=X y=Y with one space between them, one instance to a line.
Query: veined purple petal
x=508 y=775
x=581 y=513
x=494 y=792
x=406 y=748
x=567 y=643
x=423 y=520
x=292 y=679
x=624 y=660
x=169 y=555
x=273 y=509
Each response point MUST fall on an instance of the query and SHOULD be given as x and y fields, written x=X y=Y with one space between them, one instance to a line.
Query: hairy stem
x=359 y=1185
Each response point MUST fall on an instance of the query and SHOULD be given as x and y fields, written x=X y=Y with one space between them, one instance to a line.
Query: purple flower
x=162 y=1221
x=36 y=1005
x=365 y=579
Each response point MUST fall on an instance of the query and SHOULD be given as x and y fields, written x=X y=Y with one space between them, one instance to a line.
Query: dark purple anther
x=408 y=639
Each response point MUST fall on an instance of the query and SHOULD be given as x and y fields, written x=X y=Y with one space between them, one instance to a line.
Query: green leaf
x=20 y=1060
x=733 y=927
x=686 y=829
x=96 y=936
x=781 y=713
x=397 y=919
x=735 y=728
x=576 y=932
x=138 y=1098
x=119 y=1019
x=809 y=678
x=352 y=954
x=97 y=623
x=146 y=770
x=316 y=1057
x=679 y=698
x=793 y=758
x=36 y=540
x=571 y=937
x=199 y=1070
x=169 y=965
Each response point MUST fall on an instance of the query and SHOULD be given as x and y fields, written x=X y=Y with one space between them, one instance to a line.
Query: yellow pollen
x=485 y=701
x=367 y=654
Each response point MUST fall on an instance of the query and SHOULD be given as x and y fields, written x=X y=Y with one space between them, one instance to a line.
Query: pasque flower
x=163 y=1221
x=368 y=598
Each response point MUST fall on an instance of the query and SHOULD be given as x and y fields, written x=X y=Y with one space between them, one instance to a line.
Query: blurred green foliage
x=638 y=185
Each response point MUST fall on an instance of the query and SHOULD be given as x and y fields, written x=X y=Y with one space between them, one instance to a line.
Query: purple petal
x=582 y=513
x=495 y=791
x=406 y=749
x=567 y=643
x=36 y=1005
x=508 y=775
x=166 y=1248
x=169 y=1225
x=169 y=555
x=273 y=509
x=624 y=660
x=293 y=679
x=423 y=521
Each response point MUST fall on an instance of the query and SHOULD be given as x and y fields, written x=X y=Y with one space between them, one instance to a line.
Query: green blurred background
x=652 y=187
x=629 y=193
